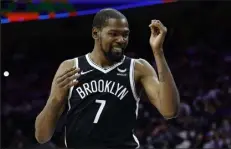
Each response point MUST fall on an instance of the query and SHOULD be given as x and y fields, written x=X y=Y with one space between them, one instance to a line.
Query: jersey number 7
x=102 y=104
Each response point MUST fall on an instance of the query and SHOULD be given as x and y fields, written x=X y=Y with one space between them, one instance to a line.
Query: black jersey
x=103 y=107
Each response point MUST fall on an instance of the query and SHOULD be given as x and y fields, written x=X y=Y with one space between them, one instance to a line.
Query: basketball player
x=100 y=88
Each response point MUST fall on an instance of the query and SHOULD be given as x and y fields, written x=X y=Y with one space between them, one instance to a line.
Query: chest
x=116 y=83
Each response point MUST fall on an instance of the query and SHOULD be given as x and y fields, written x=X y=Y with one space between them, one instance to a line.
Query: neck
x=98 y=57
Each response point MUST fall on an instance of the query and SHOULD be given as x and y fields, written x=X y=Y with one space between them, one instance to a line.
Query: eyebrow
x=117 y=30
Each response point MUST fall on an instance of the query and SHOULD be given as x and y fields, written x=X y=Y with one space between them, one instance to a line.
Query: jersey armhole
x=76 y=63
x=132 y=80
x=136 y=97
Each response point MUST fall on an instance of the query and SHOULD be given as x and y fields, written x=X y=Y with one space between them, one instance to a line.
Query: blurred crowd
x=204 y=121
x=200 y=68
x=203 y=79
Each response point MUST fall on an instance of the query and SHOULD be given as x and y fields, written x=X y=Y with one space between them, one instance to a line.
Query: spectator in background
x=205 y=87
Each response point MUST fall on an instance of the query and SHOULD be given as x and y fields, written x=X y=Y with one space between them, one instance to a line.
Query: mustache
x=122 y=46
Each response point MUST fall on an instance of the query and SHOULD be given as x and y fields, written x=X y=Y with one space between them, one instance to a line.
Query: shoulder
x=141 y=62
x=143 y=68
x=138 y=62
x=68 y=63
x=142 y=65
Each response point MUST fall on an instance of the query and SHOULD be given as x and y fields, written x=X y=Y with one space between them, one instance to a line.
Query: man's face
x=113 y=39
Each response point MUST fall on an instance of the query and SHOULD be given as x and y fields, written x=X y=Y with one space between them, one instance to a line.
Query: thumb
x=151 y=28
x=154 y=31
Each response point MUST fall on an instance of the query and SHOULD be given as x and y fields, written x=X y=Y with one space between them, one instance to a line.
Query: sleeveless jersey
x=103 y=107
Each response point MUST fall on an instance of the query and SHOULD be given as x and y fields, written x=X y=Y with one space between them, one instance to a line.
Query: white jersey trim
x=76 y=63
x=132 y=80
x=137 y=141
x=136 y=97
x=94 y=65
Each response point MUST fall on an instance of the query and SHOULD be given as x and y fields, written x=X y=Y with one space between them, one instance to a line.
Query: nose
x=121 y=39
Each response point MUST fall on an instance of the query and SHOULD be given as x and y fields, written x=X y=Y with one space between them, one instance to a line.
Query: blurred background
x=197 y=49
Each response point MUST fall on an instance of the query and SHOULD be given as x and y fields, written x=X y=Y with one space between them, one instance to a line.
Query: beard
x=115 y=53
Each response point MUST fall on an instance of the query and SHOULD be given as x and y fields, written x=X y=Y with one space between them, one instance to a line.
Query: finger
x=158 y=25
x=70 y=70
x=70 y=84
x=154 y=29
x=67 y=70
x=155 y=24
x=69 y=79
x=152 y=23
x=156 y=21
x=60 y=79
x=68 y=74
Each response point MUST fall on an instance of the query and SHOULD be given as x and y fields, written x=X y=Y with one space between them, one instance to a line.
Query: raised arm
x=162 y=90
x=63 y=80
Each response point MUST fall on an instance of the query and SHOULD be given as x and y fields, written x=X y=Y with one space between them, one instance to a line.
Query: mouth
x=117 y=49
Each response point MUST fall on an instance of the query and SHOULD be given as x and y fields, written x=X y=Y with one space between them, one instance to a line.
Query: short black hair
x=101 y=17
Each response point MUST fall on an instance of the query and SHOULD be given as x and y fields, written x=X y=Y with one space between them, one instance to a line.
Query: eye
x=126 y=35
x=113 y=34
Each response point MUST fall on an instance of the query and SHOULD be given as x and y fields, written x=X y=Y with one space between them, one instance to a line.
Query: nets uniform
x=103 y=107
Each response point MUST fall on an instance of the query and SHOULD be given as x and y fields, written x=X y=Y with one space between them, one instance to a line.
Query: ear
x=95 y=33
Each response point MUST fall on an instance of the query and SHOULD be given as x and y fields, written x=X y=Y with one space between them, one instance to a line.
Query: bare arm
x=168 y=92
x=162 y=92
x=45 y=123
